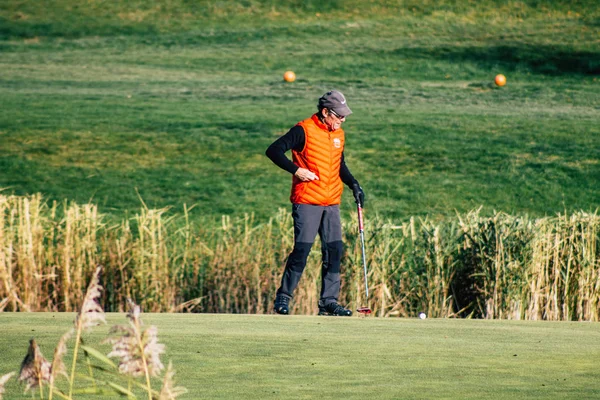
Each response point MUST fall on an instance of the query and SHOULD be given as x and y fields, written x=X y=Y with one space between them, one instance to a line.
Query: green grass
x=175 y=102
x=271 y=357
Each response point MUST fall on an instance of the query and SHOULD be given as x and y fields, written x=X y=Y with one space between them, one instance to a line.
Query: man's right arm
x=293 y=140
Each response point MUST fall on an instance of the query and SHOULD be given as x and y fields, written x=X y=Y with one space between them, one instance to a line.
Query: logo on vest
x=337 y=143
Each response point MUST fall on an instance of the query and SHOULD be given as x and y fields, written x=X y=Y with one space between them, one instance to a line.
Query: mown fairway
x=177 y=101
x=272 y=357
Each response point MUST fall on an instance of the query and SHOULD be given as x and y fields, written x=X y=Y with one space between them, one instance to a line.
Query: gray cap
x=335 y=100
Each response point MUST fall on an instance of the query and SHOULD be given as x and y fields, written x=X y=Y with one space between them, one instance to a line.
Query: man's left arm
x=352 y=183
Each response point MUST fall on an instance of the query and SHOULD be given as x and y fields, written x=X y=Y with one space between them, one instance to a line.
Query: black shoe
x=282 y=304
x=335 y=310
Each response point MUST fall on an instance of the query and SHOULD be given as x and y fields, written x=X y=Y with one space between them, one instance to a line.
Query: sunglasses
x=338 y=116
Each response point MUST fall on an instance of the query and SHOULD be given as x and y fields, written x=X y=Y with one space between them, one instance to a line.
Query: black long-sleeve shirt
x=294 y=140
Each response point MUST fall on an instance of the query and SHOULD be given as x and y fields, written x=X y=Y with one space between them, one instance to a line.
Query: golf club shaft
x=362 y=242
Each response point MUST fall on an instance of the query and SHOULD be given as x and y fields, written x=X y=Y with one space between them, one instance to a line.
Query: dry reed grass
x=498 y=266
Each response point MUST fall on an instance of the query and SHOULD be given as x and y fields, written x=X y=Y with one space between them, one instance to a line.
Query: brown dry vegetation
x=498 y=266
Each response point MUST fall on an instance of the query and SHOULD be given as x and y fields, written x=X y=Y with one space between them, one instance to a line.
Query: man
x=319 y=171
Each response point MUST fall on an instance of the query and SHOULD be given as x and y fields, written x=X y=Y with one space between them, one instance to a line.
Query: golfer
x=319 y=171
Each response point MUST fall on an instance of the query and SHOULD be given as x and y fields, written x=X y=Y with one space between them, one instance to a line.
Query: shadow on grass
x=551 y=60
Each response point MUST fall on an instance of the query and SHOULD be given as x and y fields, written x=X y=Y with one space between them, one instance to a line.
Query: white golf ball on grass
x=422 y=315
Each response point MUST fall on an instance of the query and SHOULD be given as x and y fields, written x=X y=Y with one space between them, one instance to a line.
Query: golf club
x=363 y=310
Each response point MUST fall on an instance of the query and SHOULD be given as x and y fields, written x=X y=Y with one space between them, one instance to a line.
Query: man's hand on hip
x=306 y=175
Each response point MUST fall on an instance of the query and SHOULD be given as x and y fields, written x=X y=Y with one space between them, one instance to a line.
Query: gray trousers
x=308 y=221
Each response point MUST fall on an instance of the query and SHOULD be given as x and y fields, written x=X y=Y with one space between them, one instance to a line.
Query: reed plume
x=5 y=379
x=35 y=369
x=90 y=315
x=169 y=391
x=137 y=349
x=58 y=365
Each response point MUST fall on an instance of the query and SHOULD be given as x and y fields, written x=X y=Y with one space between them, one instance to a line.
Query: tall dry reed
x=472 y=265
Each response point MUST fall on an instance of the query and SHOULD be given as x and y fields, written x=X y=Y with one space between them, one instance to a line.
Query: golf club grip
x=360 y=218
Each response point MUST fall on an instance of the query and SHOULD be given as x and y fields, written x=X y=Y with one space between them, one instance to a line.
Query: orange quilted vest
x=322 y=154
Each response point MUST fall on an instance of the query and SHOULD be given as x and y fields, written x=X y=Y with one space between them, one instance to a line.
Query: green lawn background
x=269 y=357
x=175 y=102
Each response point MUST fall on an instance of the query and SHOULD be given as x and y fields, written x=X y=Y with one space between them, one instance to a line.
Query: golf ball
x=422 y=315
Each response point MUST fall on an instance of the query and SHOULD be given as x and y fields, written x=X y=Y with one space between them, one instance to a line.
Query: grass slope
x=176 y=102
x=272 y=357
